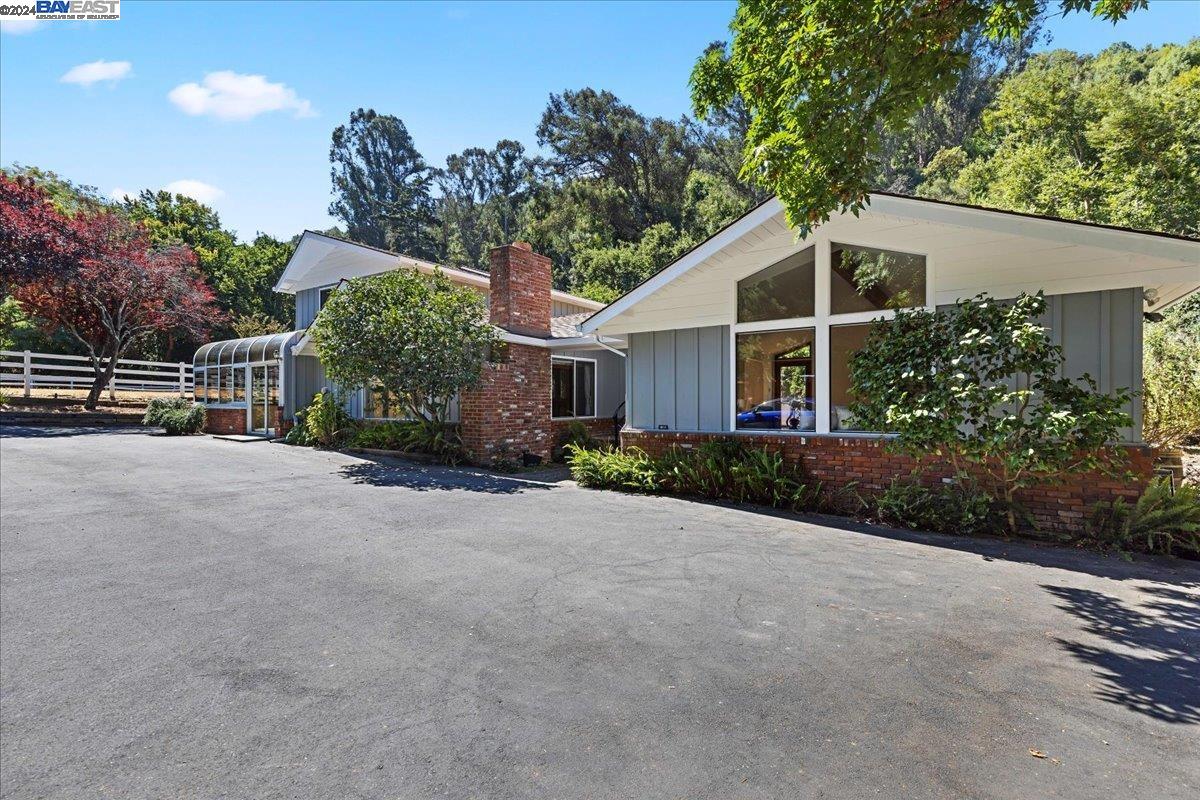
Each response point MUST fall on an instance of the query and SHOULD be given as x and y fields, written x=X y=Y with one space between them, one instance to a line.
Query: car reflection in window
x=794 y=413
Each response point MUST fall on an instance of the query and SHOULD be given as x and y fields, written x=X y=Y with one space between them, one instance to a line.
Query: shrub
x=299 y=435
x=718 y=470
x=1171 y=376
x=412 y=437
x=605 y=468
x=326 y=421
x=979 y=385
x=945 y=509
x=577 y=434
x=1159 y=522
x=178 y=416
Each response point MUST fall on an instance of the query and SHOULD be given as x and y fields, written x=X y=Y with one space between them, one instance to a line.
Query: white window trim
x=820 y=322
x=595 y=386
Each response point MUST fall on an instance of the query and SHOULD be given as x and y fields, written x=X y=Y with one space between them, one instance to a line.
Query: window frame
x=574 y=393
x=822 y=321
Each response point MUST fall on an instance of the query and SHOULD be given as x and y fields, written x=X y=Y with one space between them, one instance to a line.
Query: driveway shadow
x=384 y=471
x=1176 y=571
x=34 y=432
x=1153 y=664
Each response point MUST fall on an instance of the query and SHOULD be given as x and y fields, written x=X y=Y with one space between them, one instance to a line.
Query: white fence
x=55 y=371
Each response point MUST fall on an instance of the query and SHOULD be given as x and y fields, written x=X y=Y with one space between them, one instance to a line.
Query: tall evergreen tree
x=381 y=185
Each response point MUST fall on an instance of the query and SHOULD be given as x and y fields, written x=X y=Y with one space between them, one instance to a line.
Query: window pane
x=781 y=291
x=226 y=384
x=867 y=279
x=585 y=389
x=775 y=383
x=844 y=341
x=239 y=384
x=562 y=390
x=198 y=386
x=382 y=405
x=272 y=385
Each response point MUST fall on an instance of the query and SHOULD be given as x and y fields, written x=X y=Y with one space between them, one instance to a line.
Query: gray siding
x=308 y=303
x=610 y=378
x=1101 y=336
x=679 y=379
x=309 y=378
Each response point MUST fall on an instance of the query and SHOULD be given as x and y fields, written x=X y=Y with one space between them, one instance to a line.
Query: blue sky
x=185 y=110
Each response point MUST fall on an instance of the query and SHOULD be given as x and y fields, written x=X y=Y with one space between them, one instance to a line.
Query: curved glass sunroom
x=244 y=373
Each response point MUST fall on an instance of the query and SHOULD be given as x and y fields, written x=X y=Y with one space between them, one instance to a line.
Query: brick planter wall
x=601 y=429
x=229 y=421
x=839 y=461
x=225 y=421
x=510 y=410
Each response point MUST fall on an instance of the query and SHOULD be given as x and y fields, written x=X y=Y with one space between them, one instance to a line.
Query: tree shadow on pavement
x=1150 y=660
x=425 y=478
x=35 y=432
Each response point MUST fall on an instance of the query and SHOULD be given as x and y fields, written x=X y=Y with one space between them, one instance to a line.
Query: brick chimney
x=520 y=289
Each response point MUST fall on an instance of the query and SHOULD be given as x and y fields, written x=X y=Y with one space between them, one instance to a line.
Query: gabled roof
x=323 y=260
x=1123 y=257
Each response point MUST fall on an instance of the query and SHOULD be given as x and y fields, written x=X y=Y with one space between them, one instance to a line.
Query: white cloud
x=232 y=96
x=120 y=195
x=197 y=190
x=19 y=26
x=96 y=71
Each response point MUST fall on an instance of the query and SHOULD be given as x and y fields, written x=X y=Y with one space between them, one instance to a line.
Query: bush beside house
x=178 y=416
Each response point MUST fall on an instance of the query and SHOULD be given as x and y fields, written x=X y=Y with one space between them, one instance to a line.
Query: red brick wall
x=520 y=289
x=225 y=421
x=511 y=407
x=600 y=429
x=229 y=421
x=839 y=461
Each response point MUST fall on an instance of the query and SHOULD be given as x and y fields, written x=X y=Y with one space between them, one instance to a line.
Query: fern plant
x=1158 y=522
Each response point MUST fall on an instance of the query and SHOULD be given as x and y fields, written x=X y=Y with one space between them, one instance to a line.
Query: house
x=552 y=374
x=750 y=333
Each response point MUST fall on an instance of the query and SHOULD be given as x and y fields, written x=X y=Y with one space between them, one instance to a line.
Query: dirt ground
x=13 y=395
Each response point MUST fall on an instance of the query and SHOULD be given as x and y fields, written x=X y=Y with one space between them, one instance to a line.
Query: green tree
x=1171 y=376
x=422 y=339
x=824 y=80
x=978 y=386
x=481 y=195
x=1110 y=138
x=381 y=185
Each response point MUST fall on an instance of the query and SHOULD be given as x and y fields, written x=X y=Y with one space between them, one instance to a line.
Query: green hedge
x=727 y=470
x=177 y=415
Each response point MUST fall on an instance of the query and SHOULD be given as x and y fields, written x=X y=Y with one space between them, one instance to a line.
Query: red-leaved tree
x=100 y=280
x=35 y=237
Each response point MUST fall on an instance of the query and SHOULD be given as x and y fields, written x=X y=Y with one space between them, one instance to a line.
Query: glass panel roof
x=242 y=351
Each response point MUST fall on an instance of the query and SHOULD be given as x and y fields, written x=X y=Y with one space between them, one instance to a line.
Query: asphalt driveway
x=193 y=618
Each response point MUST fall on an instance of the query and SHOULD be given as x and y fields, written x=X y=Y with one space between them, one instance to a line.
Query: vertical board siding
x=687 y=380
x=308 y=303
x=640 y=409
x=711 y=389
x=679 y=379
x=664 y=380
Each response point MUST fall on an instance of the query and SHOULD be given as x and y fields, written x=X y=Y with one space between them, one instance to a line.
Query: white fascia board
x=697 y=256
x=576 y=342
x=516 y=338
x=1146 y=244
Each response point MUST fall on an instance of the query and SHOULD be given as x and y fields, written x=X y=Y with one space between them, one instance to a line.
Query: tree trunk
x=103 y=377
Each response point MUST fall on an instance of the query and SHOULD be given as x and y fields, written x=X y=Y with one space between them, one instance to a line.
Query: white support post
x=28 y=373
x=182 y=379
x=112 y=384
